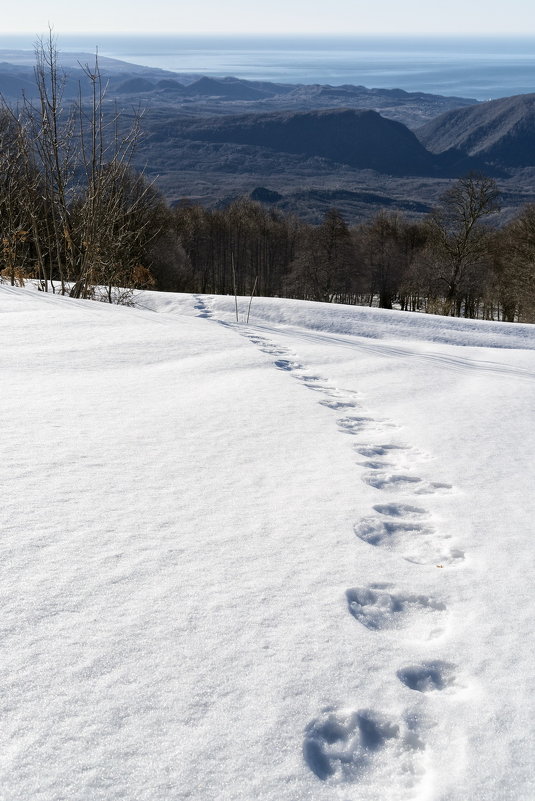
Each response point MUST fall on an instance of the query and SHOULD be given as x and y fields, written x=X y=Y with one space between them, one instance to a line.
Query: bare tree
x=515 y=268
x=325 y=266
x=87 y=215
x=458 y=240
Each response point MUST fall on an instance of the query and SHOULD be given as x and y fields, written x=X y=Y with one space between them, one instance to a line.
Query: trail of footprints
x=346 y=745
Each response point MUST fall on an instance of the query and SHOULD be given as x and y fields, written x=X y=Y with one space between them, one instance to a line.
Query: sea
x=483 y=68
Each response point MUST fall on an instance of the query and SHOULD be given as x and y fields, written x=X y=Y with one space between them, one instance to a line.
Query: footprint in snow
x=287 y=364
x=432 y=487
x=390 y=481
x=342 y=746
x=416 y=541
x=388 y=533
x=428 y=677
x=400 y=510
x=203 y=310
x=202 y=307
x=379 y=450
x=338 y=404
x=375 y=465
x=257 y=340
x=310 y=379
x=380 y=607
x=273 y=350
x=313 y=382
x=440 y=557
x=354 y=424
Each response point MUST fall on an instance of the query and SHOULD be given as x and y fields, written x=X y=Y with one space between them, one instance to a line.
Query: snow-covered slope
x=286 y=560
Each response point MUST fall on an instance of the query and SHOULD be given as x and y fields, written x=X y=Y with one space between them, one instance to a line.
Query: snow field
x=264 y=565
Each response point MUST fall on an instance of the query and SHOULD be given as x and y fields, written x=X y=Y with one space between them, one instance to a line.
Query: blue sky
x=275 y=16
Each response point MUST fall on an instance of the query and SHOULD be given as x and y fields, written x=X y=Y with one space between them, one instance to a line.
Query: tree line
x=454 y=262
x=76 y=217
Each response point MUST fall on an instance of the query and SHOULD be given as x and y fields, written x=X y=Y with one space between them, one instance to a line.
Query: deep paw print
x=429 y=677
x=397 y=510
x=313 y=382
x=342 y=743
x=380 y=607
x=287 y=364
x=339 y=403
x=355 y=424
x=389 y=533
x=391 y=481
x=372 y=451
x=366 y=747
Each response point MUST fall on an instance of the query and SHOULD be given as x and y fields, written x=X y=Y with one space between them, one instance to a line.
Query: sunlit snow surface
x=282 y=561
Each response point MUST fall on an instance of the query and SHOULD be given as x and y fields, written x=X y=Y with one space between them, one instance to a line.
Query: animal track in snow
x=416 y=542
x=342 y=746
x=354 y=424
x=273 y=350
x=257 y=340
x=428 y=677
x=287 y=364
x=451 y=557
x=390 y=481
x=396 y=481
x=339 y=404
x=380 y=607
x=400 y=510
x=379 y=450
x=389 y=533
x=432 y=487
x=375 y=465
x=313 y=382
x=202 y=308
x=342 y=742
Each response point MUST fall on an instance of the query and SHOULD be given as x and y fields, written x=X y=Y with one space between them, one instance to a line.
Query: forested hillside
x=80 y=219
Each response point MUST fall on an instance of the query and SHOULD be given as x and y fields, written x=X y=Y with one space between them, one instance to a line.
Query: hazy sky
x=272 y=16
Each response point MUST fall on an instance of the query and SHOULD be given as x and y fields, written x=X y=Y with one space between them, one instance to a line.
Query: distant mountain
x=135 y=86
x=230 y=89
x=499 y=132
x=361 y=139
x=15 y=85
x=158 y=90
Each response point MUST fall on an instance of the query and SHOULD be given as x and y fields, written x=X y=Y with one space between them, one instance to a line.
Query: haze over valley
x=312 y=147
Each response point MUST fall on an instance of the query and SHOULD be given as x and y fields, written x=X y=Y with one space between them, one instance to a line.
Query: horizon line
x=284 y=34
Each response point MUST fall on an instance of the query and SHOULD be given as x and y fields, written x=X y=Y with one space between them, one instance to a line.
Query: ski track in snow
x=344 y=745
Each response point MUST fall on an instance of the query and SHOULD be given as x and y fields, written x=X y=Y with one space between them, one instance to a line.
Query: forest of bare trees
x=76 y=218
x=454 y=262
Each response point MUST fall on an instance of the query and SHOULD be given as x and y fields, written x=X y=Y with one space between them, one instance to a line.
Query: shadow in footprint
x=400 y=510
x=256 y=340
x=379 y=608
x=384 y=532
x=428 y=676
x=450 y=558
x=314 y=383
x=378 y=450
x=354 y=424
x=287 y=364
x=343 y=743
x=391 y=482
x=273 y=351
x=338 y=404
x=375 y=465
x=312 y=380
x=432 y=487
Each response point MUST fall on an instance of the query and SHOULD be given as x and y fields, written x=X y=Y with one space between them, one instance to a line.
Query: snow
x=286 y=560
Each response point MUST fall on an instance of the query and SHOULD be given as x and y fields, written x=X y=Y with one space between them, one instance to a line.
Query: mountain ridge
x=499 y=131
